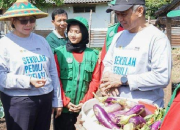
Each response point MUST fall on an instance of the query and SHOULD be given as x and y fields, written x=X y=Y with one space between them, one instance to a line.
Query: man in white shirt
x=138 y=62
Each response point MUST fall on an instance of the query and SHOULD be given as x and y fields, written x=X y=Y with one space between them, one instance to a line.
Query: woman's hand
x=58 y=111
x=71 y=107
x=78 y=107
x=37 y=83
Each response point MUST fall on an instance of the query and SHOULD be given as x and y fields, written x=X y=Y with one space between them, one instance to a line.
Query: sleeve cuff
x=133 y=85
x=57 y=103
x=25 y=82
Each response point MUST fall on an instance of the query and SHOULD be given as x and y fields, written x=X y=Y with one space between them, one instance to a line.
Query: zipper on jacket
x=77 y=84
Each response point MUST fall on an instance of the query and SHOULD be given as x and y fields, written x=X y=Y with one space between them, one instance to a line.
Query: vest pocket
x=88 y=73
x=66 y=71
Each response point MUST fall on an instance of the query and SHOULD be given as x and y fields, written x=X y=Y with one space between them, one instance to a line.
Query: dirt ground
x=174 y=78
x=176 y=65
x=2 y=124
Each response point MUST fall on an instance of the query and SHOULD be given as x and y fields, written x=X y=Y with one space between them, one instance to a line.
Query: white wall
x=100 y=19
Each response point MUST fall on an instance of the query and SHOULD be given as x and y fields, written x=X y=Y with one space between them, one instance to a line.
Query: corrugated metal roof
x=84 y=1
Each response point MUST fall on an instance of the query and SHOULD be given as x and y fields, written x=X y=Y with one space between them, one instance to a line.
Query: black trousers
x=27 y=113
x=65 y=121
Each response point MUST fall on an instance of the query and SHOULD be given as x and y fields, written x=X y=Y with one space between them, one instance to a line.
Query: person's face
x=74 y=34
x=60 y=22
x=129 y=19
x=24 y=25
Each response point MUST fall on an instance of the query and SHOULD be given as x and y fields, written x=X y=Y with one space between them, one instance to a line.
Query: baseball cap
x=122 y=5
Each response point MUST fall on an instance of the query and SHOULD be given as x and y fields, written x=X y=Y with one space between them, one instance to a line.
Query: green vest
x=175 y=92
x=75 y=76
x=112 y=30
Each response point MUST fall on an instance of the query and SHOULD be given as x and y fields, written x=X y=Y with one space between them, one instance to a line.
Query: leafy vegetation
x=154 y=5
x=38 y=3
x=1 y=110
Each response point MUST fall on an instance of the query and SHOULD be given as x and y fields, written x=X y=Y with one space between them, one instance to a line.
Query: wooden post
x=168 y=89
x=168 y=28
x=112 y=17
x=148 y=19
x=5 y=27
x=90 y=18
x=167 y=94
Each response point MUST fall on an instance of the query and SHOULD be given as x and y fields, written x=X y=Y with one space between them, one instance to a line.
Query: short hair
x=136 y=6
x=57 y=12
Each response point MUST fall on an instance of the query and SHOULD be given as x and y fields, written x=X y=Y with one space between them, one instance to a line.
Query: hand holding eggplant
x=113 y=92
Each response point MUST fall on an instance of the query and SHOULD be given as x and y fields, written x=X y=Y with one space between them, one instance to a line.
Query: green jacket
x=55 y=42
x=112 y=30
x=75 y=77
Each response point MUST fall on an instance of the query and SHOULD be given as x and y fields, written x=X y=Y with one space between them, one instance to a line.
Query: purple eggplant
x=107 y=100
x=103 y=117
x=156 y=125
x=110 y=100
x=137 y=120
x=137 y=109
x=113 y=107
x=115 y=116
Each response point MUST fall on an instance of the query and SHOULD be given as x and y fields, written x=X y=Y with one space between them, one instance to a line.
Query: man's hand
x=58 y=111
x=113 y=92
x=37 y=83
x=110 y=80
x=79 y=123
x=103 y=91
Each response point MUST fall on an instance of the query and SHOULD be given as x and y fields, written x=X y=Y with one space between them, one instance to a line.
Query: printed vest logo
x=69 y=60
x=111 y=34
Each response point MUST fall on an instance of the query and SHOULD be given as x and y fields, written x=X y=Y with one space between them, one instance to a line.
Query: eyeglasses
x=25 y=21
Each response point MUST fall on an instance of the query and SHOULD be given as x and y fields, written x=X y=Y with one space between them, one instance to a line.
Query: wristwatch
x=124 y=80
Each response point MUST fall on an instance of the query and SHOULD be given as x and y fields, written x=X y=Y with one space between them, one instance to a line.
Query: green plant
x=154 y=5
x=1 y=110
x=38 y=3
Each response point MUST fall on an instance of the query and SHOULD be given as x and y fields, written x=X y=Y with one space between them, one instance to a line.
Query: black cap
x=122 y=5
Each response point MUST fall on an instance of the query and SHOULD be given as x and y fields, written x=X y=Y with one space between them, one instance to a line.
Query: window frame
x=84 y=9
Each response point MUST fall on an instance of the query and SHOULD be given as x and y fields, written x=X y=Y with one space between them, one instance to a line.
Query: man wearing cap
x=138 y=62
x=171 y=119
x=58 y=36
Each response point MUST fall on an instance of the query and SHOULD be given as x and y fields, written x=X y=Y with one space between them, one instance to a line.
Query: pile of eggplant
x=121 y=114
